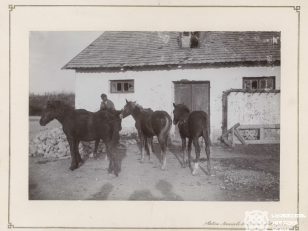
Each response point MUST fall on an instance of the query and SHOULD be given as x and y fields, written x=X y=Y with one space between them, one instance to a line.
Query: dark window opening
x=254 y=84
x=194 y=42
x=119 y=87
x=122 y=86
x=125 y=86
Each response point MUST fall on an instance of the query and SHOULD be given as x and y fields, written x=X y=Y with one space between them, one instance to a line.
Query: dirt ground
x=238 y=174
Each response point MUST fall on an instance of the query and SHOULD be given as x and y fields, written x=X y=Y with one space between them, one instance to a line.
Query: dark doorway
x=194 y=94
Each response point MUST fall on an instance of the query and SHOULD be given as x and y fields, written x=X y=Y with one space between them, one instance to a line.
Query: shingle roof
x=126 y=48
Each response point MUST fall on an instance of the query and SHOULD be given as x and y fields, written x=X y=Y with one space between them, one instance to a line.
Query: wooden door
x=195 y=95
x=183 y=94
x=201 y=97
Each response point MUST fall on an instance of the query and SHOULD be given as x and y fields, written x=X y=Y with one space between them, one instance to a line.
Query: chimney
x=185 y=38
x=189 y=39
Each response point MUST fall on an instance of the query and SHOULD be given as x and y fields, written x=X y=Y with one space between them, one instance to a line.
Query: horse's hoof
x=109 y=170
x=72 y=168
x=183 y=165
x=194 y=172
x=106 y=158
x=142 y=161
x=81 y=161
x=112 y=175
x=163 y=168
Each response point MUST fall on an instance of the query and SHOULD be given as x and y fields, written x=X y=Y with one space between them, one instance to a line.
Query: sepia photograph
x=154 y=115
x=157 y=115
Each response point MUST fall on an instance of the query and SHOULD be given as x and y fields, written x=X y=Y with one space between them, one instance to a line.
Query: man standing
x=106 y=103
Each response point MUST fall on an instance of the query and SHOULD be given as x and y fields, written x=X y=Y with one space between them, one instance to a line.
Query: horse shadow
x=103 y=193
x=176 y=150
x=164 y=187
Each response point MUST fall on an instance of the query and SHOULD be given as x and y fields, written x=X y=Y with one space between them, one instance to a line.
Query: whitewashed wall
x=248 y=109
x=155 y=89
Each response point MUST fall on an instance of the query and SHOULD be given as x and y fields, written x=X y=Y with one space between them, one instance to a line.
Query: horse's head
x=127 y=109
x=179 y=113
x=50 y=112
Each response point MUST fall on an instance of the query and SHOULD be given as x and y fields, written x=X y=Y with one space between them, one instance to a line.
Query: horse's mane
x=139 y=106
x=183 y=107
x=142 y=109
x=112 y=111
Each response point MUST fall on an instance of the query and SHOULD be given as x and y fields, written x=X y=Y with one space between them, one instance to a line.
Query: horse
x=81 y=125
x=193 y=125
x=148 y=124
x=116 y=113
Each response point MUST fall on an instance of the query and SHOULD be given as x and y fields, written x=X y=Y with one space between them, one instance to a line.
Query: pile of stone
x=128 y=138
x=54 y=144
x=50 y=144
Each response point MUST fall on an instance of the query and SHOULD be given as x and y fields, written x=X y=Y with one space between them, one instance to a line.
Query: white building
x=195 y=68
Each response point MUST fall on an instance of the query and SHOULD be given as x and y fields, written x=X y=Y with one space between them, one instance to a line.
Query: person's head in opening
x=104 y=97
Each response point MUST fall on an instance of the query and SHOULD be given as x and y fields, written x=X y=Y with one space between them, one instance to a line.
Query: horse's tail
x=206 y=130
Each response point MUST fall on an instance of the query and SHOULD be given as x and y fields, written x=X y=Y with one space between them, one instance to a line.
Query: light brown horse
x=149 y=124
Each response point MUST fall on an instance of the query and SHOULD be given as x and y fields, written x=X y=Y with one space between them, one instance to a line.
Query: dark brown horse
x=80 y=125
x=116 y=113
x=192 y=125
x=149 y=124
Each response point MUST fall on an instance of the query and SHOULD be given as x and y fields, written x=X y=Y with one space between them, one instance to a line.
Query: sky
x=49 y=52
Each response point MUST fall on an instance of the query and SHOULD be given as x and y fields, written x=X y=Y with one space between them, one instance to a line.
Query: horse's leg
x=149 y=144
x=142 y=144
x=74 y=162
x=111 y=164
x=162 y=142
x=207 y=141
x=208 y=153
x=167 y=143
x=113 y=155
x=79 y=159
x=184 y=164
x=197 y=150
x=95 y=148
x=189 y=152
x=152 y=145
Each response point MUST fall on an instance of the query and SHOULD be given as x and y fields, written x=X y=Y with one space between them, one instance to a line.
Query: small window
x=122 y=86
x=259 y=83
